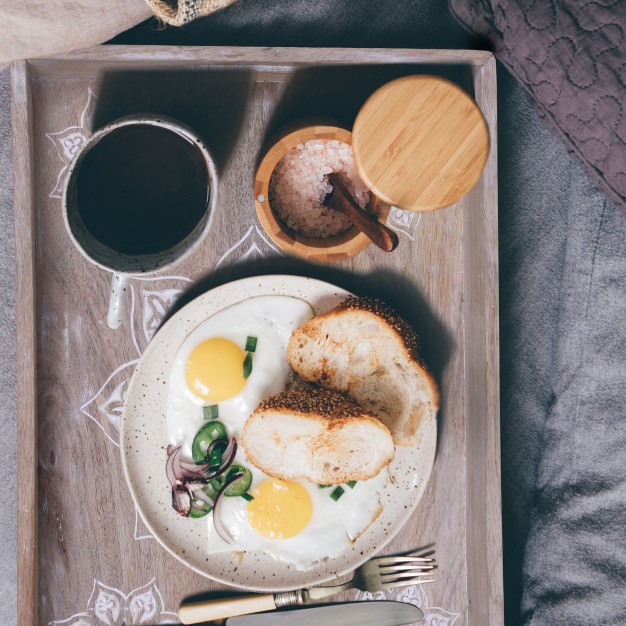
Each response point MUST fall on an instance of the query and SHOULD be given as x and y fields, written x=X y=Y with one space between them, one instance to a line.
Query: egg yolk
x=214 y=370
x=280 y=509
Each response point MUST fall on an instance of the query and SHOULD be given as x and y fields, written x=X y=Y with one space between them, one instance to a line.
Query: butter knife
x=374 y=613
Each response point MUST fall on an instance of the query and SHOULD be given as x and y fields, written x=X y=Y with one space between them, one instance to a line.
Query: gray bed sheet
x=562 y=312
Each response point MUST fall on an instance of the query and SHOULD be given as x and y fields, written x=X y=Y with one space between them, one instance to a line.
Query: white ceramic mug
x=121 y=264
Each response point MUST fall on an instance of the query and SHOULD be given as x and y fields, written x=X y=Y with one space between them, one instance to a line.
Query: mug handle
x=119 y=285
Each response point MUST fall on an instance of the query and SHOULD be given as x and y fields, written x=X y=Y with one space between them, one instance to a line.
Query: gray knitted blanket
x=565 y=395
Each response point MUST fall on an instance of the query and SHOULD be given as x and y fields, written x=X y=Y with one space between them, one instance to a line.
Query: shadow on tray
x=212 y=103
x=333 y=95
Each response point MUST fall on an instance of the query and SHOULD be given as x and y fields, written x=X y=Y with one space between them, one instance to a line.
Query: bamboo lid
x=420 y=143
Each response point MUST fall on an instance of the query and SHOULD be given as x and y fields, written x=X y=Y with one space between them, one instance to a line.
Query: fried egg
x=208 y=367
x=295 y=522
x=298 y=522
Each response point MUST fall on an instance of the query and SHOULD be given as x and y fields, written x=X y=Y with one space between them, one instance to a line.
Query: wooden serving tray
x=84 y=555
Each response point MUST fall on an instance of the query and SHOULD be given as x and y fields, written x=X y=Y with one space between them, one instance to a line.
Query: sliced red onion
x=222 y=531
x=199 y=505
x=200 y=494
x=196 y=469
x=181 y=501
x=187 y=481
x=181 y=472
x=214 y=444
x=189 y=475
x=229 y=453
x=230 y=450
x=178 y=472
x=169 y=467
x=195 y=483
x=192 y=485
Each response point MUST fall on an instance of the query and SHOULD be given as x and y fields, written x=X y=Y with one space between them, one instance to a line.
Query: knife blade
x=376 y=613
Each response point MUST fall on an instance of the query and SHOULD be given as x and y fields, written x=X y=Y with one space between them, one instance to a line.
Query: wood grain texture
x=80 y=534
x=26 y=347
x=484 y=551
x=420 y=143
x=95 y=60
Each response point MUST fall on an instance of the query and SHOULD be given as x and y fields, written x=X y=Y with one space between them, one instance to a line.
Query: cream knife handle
x=221 y=608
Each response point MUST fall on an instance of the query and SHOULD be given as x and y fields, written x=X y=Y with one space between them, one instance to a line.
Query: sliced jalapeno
x=239 y=487
x=210 y=432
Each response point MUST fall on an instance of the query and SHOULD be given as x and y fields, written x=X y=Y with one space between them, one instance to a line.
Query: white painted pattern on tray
x=403 y=222
x=105 y=407
x=105 y=410
x=156 y=295
x=68 y=141
x=252 y=245
x=111 y=607
x=416 y=594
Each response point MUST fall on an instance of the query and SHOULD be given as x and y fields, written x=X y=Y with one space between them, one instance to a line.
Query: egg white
x=271 y=319
x=334 y=524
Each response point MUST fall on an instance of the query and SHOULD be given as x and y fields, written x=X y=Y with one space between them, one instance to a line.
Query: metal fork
x=377 y=574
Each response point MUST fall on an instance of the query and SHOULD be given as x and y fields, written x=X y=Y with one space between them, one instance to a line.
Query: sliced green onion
x=210 y=412
x=247 y=496
x=323 y=486
x=336 y=493
x=247 y=365
x=351 y=483
x=250 y=344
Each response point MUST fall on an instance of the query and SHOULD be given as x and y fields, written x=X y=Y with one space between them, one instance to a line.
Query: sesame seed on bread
x=386 y=314
x=365 y=350
x=316 y=435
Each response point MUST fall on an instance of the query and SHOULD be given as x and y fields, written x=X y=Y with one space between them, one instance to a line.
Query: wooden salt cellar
x=327 y=249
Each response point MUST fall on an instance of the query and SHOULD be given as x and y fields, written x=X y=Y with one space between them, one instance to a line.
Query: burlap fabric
x=179 y=12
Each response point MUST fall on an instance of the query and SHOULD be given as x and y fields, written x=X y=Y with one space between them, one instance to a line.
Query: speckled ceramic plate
x=144 y=437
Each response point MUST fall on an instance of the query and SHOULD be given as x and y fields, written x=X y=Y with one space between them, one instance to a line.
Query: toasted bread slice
x=365 y=350
x=316 y=435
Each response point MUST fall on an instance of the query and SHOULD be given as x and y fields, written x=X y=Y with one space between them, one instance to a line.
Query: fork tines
x=395 y=560
x=403 y=578
x=407 y=583
x=390 y=569
x=388 y=577
x=402 y=571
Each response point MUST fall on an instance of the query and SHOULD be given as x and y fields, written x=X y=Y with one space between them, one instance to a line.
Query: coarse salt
x=298 y=187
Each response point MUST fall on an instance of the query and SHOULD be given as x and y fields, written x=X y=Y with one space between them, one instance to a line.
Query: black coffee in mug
x=142 y=189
